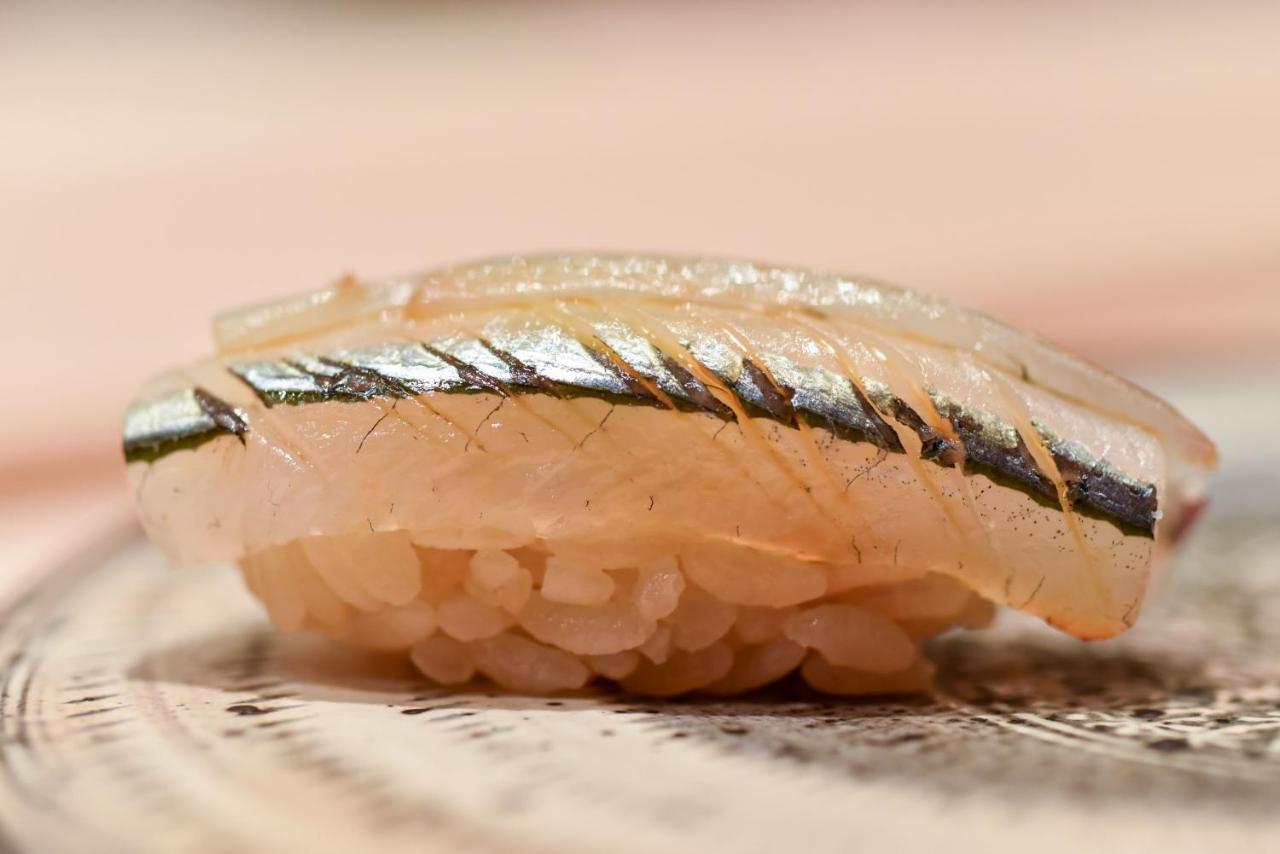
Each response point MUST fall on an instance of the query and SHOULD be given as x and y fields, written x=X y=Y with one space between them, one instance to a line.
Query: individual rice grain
x=384 y=564
x=392 y=628
x=573 y=583
x=742 y=576
x=520 y=664
x=848 y=636
x=657 y=647
x=700 y=620
x=927 y=606
x=682 y=671
x=273 y=577
x=496 y=578
x=443 y=660
x=658 y=588
x=466 y=618
x=585 y=630
x=337 y=575
x=616 y=666
x=756 y=625
x=975 y=614
x=758 y=665
x=930 y=597
x=324 y=608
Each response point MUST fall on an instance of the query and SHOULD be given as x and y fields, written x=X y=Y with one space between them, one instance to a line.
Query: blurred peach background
x=1105 y=174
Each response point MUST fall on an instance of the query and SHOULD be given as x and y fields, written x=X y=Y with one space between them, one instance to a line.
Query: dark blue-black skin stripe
x=226 y=422
x=1092 y=490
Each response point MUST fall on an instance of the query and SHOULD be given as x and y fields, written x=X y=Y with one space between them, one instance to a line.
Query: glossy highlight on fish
x=834 y=452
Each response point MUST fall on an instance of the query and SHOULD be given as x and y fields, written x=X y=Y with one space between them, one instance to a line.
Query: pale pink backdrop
x=1106 y=174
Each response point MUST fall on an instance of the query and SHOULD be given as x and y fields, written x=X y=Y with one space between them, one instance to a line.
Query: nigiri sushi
x=673 y=474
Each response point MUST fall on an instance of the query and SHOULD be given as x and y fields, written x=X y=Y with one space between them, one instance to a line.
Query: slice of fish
x=791 y=438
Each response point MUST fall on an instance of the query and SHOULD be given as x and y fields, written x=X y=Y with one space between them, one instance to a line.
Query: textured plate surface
x=148 y=709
